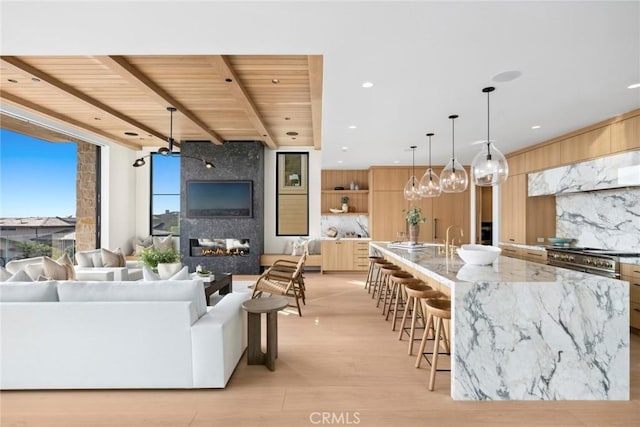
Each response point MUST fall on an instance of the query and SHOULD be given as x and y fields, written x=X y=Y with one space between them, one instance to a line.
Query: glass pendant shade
x=430 y=184
x=411 y=189
x=454 y=178
x=489 y=167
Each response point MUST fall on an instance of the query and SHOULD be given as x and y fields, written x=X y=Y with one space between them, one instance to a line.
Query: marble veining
x=528 y=331
x=615 y=171
x=607 y=219
x=345 y=224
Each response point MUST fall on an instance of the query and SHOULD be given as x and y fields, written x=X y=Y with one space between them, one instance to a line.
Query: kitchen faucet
x=449 y=246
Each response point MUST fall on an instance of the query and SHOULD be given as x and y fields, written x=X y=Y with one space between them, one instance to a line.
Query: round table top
x=265 y=305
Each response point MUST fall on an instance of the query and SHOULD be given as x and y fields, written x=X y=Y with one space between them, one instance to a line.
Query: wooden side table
x=254 y=308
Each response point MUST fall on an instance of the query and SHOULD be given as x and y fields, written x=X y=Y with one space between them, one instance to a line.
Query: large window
x=165 y=195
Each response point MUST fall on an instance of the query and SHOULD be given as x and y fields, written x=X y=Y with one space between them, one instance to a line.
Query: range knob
x=588 y=261
x=572 y=258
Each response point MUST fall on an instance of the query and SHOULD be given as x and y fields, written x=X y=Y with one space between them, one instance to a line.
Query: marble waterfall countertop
x=527 y=331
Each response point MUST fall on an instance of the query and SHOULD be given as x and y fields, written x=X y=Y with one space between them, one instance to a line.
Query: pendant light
x=489 y=167
x=430 y=183
x=168 y=151
x=454 y=178
x=411 y=189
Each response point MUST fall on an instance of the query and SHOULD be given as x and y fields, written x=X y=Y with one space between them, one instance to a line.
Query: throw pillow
x=163 y=243
x=4 y=274
x=53 y=270
x=85 y=258
x=183 y=274
x=20 y=276
x=113 y=258
x=96 y=258
x=34 y=270
x=298 y=248
x=141 y=248
x=66 y=262
x=148 y=274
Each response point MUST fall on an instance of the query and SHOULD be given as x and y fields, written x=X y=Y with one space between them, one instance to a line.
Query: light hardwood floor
x=340 y=358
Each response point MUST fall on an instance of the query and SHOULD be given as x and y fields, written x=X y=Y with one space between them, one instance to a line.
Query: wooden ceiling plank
x=17 y=64
x=53 y=115
x=224 y=69
x=315 y=87
x=131 y=74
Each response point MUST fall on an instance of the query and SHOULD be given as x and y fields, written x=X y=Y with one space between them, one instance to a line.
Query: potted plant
x=345 y=203
x=165 y=262
x=414 y=217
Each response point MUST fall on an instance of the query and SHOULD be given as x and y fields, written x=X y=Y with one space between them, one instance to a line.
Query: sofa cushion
x=20 y=276
x=113 y=258
x=34 y=270
x=85 y=258
x=19 y=264
x=96 y=258
x=5 y=274
x=163 y=290
x=28 y=292
x=66 y=262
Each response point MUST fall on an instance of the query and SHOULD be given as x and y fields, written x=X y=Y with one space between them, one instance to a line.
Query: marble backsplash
x=345 y=224
x=618 y=170
x=608 y=219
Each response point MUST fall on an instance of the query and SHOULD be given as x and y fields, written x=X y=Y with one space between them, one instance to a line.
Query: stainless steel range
x=603 y=262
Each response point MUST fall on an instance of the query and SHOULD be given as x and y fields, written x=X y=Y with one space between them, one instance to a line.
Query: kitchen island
x=526 y=331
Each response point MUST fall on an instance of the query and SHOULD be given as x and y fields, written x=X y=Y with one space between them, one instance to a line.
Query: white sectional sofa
x=92 y=335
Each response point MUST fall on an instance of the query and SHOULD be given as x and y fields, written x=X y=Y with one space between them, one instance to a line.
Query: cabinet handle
x=512 y=240
x=435 y=229
x=636 y=284
x=637 y=309
x=531 y=253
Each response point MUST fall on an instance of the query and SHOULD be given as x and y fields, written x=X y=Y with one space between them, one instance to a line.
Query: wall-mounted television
x=232 y=199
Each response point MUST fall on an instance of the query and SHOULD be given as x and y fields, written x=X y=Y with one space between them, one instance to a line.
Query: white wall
x=275 y=244
x=119 y=210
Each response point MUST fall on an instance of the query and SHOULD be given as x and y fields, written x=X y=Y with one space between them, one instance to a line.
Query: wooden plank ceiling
x=218 y=98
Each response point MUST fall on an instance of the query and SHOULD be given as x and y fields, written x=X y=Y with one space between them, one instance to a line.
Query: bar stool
x=383 y=284
x=370 y=273
x=398 y=282
x=416 y=293
x=378 y=280
x=438 y=309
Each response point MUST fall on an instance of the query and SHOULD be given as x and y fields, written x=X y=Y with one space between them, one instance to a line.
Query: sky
x=37 y=178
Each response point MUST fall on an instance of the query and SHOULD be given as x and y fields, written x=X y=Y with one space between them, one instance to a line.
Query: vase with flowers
x=414 y=218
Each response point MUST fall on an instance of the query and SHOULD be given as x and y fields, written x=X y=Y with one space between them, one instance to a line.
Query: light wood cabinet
x=517 y=164
x=337 y=255
x=511 y=251
x=388 y=178
x=332 y=198
x=386 y=217
x=585 y=146
x=631 y=274
x=535 y=255
x=625 y=135
x=545 y=157
x=345 y=255
x=513 y=209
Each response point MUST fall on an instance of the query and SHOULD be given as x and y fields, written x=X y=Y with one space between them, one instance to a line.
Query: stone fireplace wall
x=233 y=161
x=86 y=196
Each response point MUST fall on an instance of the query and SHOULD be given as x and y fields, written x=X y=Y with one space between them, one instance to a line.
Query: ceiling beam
x=21 y=66
x=224 y=69
x=315 y=89
x=55 y=116
x=131 y=74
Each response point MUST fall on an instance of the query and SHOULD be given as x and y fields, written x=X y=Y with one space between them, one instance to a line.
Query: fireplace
x=218 y=247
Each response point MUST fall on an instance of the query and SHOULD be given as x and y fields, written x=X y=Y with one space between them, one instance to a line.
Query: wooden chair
x=284 y=282
x=283 y=267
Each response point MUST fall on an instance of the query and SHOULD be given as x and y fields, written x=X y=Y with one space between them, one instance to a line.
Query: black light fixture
x=430 y=183
x=489 y=167
x=453 y=178
x=168 y=151
x=411 y=189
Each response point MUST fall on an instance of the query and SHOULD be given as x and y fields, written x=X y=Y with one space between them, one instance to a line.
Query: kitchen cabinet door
x=625 y=135
x=513 y=209
x=385 y=215
x=585 y=146
x=337 y=255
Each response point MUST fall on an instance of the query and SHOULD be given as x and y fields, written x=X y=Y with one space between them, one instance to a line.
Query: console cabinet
x=345 y=255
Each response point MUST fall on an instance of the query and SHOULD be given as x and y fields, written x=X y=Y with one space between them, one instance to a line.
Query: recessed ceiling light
x=345 y=148
x=353 y=127
x=506 y=76
x=12 y=80
x=535 y=127
x=275 y=81
x=131 y=134
x=396 y=161
x=292 y=133
x=367 y=85
x=634 y=86
x=228 y=80
x=339 y=161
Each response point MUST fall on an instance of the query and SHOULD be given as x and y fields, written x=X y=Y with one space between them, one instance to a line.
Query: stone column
x=86 y=197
